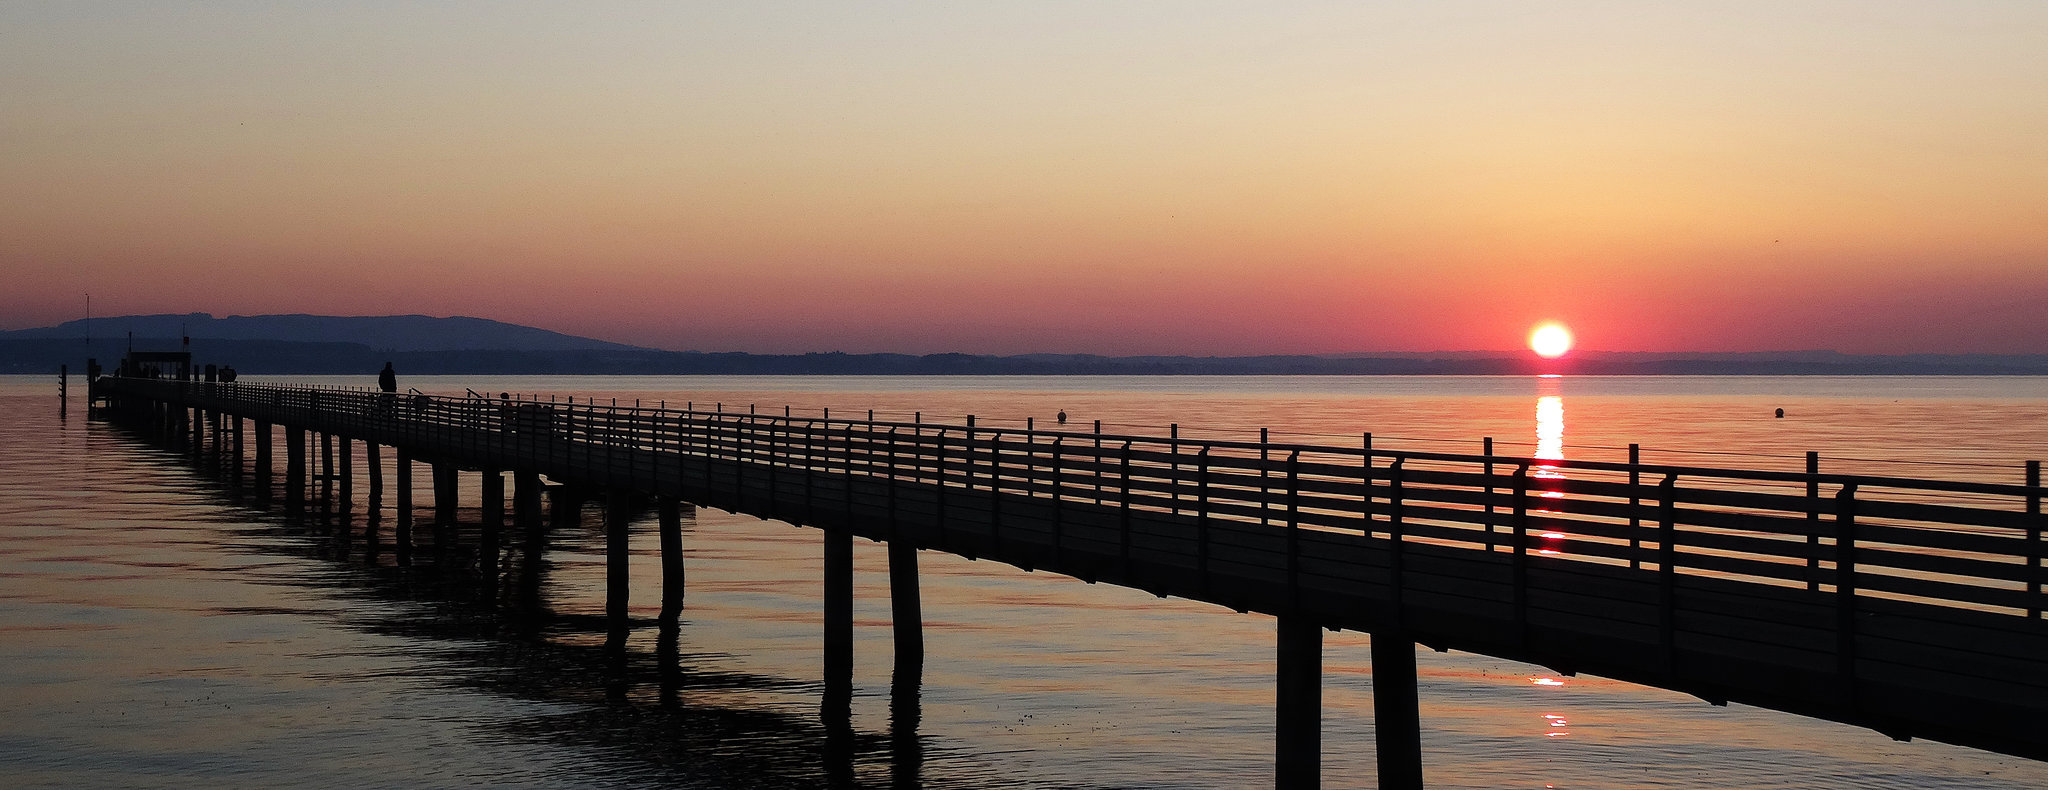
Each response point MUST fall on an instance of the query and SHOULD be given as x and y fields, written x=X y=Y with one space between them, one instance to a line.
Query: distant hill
x=307 y=344
x=377 y=333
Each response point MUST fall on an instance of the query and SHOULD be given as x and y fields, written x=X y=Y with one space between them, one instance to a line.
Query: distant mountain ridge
x=394 y=333
x=416 y=344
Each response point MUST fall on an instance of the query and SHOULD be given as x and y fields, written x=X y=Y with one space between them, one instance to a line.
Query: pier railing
x=1901 y=584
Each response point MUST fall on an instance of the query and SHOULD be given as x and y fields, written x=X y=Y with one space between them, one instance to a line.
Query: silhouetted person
x=227 y=375
x=387 y=380
x=1063 y=416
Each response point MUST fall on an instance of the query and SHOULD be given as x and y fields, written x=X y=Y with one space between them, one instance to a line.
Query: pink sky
x=1146 y=177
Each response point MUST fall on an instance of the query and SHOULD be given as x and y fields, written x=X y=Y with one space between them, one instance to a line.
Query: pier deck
x=1910 y=606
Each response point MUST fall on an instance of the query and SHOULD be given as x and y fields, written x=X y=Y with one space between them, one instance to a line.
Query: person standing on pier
x=387 y=381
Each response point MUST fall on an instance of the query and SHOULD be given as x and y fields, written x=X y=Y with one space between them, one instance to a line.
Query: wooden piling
x=671 y=526
x=264 y=460
x=446 y=484
x=838 y=572
x=326 y=471
x=1298 y=703
x=526 y=499
x=617 y=567
x=347 y=474
x=294 y=468
x=403 y=476
x=492 y=514
x=1396 y=714
x=905 y=611
x=373 y=461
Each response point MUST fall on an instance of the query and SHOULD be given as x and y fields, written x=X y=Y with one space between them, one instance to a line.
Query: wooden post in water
x=1396 y=711
x=1298 y=704
x=493 y=515
x=837 y=705
x=402 y=474
x=565 y=507
x=63 y=391
x=241 y=453
x=446 y=483
x=263 y=458
x=347 y=474
x=526 y=496
x=373 y=459
x=617 y=569
x=294 y=468
x=670 y=515
x=326 y=471
x=906 y=613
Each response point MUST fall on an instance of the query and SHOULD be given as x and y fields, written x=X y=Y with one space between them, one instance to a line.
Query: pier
x=1909 y=606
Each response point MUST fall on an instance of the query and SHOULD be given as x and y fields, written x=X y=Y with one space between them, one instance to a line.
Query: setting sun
x=1550 y=340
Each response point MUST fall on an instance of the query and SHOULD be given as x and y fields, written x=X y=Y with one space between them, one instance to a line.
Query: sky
x=1182 y=177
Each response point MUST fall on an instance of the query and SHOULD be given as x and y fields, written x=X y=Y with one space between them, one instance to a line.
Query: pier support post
x=446 y=483
x=240 y=452
x=326 y=474
x=1396 y=716
x=294 y=468
x=526 y=491
x=1298 y=697
x=493 y=516
x=671 y=514
x=347 y=472
x=906 y=615
x=402 y=474
x=373 y=458
x=565 y=507
x=837 y=707
x=617 y=567
x=264 y=460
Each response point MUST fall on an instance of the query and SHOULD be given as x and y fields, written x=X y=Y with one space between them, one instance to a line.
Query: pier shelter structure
x=1910 y=606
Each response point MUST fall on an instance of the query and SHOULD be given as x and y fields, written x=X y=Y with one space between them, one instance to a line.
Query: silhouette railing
x=1881 y=600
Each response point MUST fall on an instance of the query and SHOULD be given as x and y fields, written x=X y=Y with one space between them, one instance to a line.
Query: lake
x=162 y=628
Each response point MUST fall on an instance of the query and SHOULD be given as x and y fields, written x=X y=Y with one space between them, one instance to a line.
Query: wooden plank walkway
x=1910 y=606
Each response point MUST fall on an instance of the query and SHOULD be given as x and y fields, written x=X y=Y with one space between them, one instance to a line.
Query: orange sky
x=1139 y=177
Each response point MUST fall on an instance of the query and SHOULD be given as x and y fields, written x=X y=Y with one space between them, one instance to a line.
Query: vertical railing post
x=1813 y=501
x=995 y=489
x=1635 y=502
x=846 y=503
x=1486 y=448
x=1202 y=517
x=1667 y=570
x=1059 y=497
x=939 y=477
x=1396 y=536
x=1518 y=544
x=1294 y=529
x=1124 y=509
x=1096 y=462
x=2034 y=570
x=1265 y=489
x=1173 y=451
x=1845 y=591
x=894 y=525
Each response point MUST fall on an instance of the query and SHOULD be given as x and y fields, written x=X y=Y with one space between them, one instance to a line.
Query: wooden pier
x=1910 y=606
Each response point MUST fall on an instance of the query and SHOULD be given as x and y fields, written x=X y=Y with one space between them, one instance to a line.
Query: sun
x=1550 y=340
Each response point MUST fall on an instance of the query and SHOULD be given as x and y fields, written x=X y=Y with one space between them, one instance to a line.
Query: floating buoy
x=1781 y=414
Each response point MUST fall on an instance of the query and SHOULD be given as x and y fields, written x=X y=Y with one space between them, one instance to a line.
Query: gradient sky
x=1008 y=177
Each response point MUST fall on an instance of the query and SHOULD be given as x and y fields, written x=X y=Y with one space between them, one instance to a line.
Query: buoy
x=1781 y=414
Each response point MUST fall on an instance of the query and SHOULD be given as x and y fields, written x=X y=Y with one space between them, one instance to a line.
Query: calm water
x=162 y=628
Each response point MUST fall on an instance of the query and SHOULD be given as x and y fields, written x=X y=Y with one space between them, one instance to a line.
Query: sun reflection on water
x=1549 y=447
